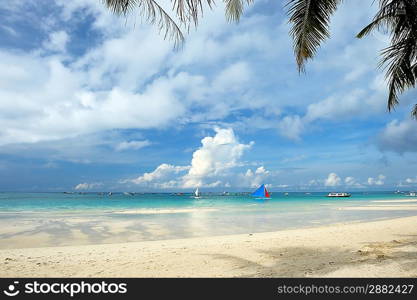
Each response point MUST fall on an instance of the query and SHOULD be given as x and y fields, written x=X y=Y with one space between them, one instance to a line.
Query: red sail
x=266 y=193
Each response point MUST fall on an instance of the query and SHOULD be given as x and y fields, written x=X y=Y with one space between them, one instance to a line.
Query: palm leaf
x=153 y=13
x=414 y=112
x=189 y=11
x=399 y=17
x=310 y=23
x=234 y=9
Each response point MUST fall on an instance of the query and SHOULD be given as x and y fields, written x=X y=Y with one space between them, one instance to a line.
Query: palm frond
x=189 y=11
x=234 y=9
x=414 y=112
x=376 y=23
x=399 y=18
x=310 y=23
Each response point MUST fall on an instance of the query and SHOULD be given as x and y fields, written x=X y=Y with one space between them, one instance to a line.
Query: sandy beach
x=386 y=248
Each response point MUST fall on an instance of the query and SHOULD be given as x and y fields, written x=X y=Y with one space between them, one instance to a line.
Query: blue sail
x=260 y=192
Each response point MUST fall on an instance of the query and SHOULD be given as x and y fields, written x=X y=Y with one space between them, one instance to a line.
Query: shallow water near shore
x=58 y=219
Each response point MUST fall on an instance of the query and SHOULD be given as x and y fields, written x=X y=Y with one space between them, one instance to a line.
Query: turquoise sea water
x=99 y=218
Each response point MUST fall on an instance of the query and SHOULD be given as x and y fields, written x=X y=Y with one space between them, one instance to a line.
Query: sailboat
x=197 y=194
x=261 y=192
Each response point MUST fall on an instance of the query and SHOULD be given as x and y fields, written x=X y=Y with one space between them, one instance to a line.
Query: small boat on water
x=261 y=192
x=128 y=194
x=197 y=194
x=412 y=194
x=338 y=195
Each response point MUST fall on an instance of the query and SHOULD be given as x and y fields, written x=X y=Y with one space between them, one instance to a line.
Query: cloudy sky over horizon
x=92 y=101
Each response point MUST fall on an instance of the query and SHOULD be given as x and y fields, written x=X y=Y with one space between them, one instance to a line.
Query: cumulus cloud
x=377 y=181
x=254 y=179
x=87 y=186
x=352 y=182
x=332 y=180
x=164 y=176
x=132 y=145
x=217 y=155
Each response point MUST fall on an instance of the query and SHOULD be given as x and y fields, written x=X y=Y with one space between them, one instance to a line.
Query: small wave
x=164 y=211
x=389 y=201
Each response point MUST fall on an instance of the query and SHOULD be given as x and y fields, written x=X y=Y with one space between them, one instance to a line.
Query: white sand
x=385 y=248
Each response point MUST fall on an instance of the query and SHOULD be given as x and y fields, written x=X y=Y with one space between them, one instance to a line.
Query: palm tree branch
x=234 y=9
x=310 y=23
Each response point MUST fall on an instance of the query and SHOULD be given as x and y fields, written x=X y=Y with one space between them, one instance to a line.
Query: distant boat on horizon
x=338 y=195
x=261 y=192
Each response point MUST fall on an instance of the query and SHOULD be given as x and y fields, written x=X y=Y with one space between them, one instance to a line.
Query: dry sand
x=386 y=248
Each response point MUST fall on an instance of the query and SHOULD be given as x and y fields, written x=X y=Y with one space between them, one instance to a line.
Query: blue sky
x=91 y=101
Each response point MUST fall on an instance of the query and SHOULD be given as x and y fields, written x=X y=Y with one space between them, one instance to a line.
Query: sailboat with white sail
x=197 y=194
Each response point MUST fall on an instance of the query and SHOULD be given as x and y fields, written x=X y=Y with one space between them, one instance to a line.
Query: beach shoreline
x=386 y=248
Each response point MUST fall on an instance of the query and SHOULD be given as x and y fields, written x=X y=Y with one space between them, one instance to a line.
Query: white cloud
x=282 y=186
x=408 y=182
x=209 y=166
x=399 y=136
x=132 y=145
x=377 y=181
x=232 y=77
x=352 y=182
x=216 y=155
x=411 y=180
x=294 y=158
x=254 y=179
x=9 y=30
x=112 y=87
x=87 y=186
x=160 y=177
x=314 y=182
x=332 y=180
x=291 y=127
x=57 y=41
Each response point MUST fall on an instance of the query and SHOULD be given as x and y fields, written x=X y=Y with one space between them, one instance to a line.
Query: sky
x=91 y=101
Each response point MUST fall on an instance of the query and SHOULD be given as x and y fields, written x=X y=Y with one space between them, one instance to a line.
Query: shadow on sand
x=310 y=262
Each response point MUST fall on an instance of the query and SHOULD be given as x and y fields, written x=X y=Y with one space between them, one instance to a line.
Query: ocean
x=58 y=219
